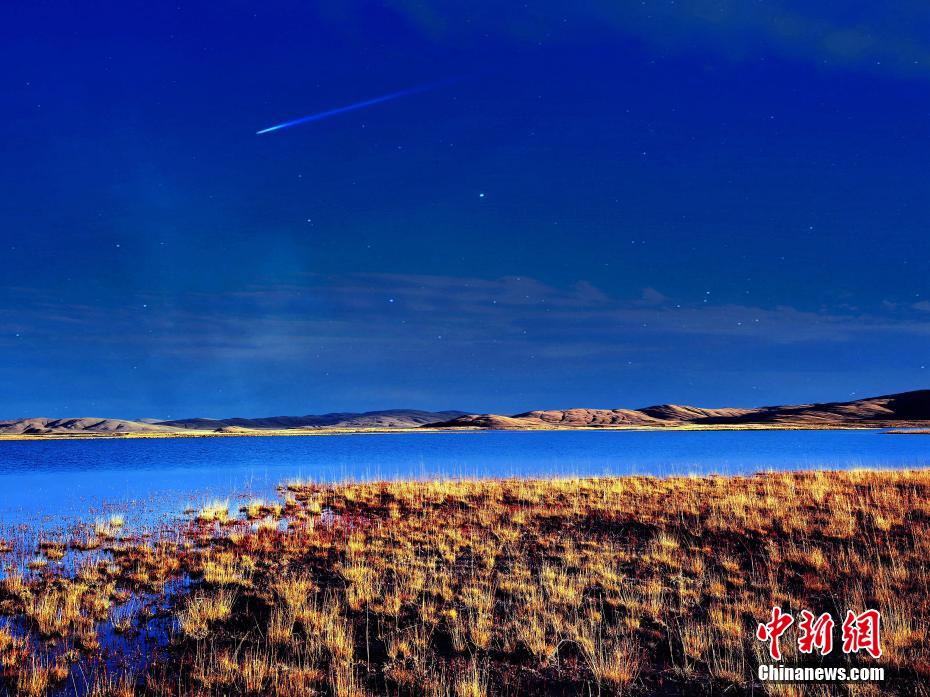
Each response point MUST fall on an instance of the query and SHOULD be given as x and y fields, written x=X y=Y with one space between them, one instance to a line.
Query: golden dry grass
x=631 y=585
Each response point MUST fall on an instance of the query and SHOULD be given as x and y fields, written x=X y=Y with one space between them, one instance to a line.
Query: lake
x=58 y=481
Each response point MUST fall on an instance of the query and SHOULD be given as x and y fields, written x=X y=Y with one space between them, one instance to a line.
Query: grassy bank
x=596 y=586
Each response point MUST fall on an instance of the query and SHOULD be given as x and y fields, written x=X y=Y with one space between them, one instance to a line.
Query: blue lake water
x=58 y=481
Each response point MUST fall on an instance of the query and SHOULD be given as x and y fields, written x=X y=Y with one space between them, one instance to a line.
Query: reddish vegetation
x=597 y=586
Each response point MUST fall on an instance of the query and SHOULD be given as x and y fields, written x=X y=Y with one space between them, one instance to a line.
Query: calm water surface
x=55 y=482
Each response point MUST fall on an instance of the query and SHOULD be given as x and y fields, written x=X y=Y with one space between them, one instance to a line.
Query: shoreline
x=919 y=428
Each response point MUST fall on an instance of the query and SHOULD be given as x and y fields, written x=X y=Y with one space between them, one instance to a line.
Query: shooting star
x=352 y=107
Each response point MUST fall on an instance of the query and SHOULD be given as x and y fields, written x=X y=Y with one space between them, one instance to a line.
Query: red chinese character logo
x=815 y=634
x=772 y=630
x=862 y=632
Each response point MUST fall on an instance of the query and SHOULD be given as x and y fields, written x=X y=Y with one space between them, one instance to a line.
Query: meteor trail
x=353 y=107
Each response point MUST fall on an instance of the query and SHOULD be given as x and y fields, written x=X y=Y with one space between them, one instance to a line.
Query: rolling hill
x=888 y=410
x=895 y=410
x=85 y=425
x=390 y=418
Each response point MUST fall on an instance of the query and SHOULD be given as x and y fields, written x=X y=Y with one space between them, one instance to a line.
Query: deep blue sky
x=724 y=204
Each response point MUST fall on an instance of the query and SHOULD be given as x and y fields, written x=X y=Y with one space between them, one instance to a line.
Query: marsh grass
x=217 y=511
x=631 y=585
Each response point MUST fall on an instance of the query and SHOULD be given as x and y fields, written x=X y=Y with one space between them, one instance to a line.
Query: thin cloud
x=364 y=314
x=876 y=37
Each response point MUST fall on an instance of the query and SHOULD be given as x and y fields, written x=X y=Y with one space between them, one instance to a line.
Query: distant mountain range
x=389 y=418
x=903 y=409
x=890 y=410
x=41 y=426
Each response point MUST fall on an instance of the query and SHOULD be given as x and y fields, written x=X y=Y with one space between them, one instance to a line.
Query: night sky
x=719 y=204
